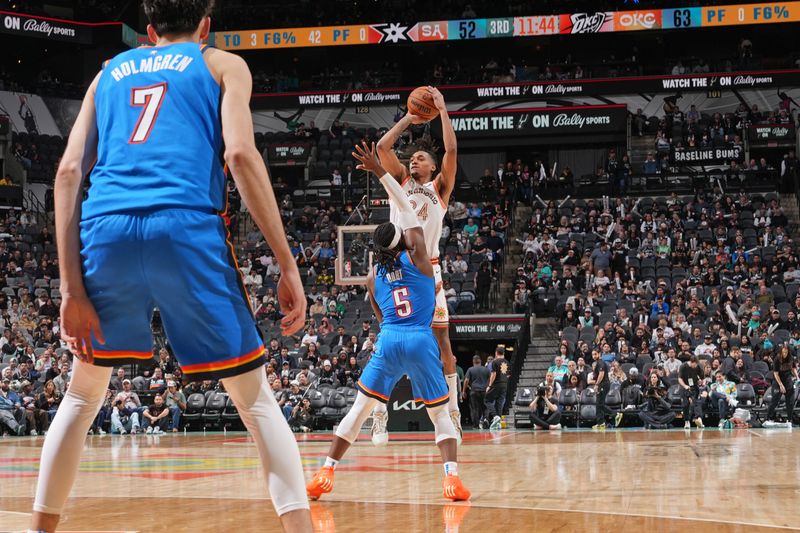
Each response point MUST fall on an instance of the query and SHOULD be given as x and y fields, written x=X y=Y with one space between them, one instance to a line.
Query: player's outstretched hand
x=292 y=300
x=438 y=99
x=79 y=321
x=368 y=157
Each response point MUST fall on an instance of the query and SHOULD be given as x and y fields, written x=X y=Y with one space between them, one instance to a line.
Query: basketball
x=420 y=103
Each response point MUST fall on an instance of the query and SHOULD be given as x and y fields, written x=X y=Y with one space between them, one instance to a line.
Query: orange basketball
x=420 y=103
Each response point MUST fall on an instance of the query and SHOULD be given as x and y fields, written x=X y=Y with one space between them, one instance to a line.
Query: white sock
x=277 y=448
x=61 y=452
x=452 y=385
x=331 y=462
x=451 y=468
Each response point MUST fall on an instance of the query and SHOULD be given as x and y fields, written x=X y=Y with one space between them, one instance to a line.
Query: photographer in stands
x=544 y=412
x=656 y=412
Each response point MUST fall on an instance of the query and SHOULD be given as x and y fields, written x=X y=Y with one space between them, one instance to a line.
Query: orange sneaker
x=454 y=489
x=321 y=484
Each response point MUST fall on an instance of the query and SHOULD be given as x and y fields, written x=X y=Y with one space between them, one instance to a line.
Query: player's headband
x=396 y=240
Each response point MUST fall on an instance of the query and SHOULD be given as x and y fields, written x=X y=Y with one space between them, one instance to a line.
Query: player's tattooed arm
x=386 y=144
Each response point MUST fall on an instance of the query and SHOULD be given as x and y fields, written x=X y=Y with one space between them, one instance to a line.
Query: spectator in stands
x=157 y=383
x=483 y=283
x=601 y=383
x=723 y=393
x=545 y=414
x=116 y=380
x=558 y=369
x=784 y=371
x=155 y=417
x=130 y=400
x=672 y=365
x=62 y=379
x=302 y=418
x=656 y=413
x=165 y=362
x=176 y=403
x=521 y=298
x=12 y=414
x=124 y=419
x=601 y=258
x=689 y=378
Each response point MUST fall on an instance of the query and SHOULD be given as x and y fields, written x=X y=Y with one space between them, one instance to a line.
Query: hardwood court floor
x=710 y=480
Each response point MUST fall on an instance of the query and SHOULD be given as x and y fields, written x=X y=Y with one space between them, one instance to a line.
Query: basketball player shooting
x=428 y=189
x=151 y=234
x=401 y=292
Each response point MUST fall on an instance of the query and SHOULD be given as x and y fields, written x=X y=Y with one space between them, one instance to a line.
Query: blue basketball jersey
x=159 y=134
x=406 y=296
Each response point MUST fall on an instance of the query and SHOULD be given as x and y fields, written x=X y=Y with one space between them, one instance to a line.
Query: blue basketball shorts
x=405 y=350
x=180 y=261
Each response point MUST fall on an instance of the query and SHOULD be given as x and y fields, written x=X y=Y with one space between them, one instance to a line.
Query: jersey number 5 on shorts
x=150 y=99
x=402 y=305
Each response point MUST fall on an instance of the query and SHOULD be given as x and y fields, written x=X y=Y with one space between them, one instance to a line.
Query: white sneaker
x=721 y=424
x=149 y=430
x=123 y=432
x=100 y=431
x=135 y=430
x=557 y=427
x=380 y=435
x=455 y=416
x=687 y=425
x=495 y=425
x=157 y=431
x=34 y=433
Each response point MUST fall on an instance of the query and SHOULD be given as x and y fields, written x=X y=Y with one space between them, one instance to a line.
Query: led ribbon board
x=530 y=26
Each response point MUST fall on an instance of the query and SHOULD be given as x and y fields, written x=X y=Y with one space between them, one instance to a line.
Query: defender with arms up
x=428 y=190
x=152 y=233
x=401 y=292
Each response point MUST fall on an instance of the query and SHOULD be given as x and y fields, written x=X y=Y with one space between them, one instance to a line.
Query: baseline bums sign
x=542 y=121
x=707 y=156
x=44 y=28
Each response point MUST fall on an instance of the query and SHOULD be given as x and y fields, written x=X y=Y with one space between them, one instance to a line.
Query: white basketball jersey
x=430 y=211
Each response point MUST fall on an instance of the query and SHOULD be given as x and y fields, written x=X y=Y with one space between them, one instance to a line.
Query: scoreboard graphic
x=529 y=26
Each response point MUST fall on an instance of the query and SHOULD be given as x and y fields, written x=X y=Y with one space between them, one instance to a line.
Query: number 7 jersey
x=159 y=134
x=404 y=294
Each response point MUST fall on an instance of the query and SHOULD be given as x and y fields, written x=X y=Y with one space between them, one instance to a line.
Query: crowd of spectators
x=649 y=286
x=690 y=128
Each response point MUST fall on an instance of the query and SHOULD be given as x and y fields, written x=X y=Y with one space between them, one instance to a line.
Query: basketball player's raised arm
x=252 y=180
x=386 y=143
x=413 y=236
x=371 y=291
x=446 y=181
x=78 y=316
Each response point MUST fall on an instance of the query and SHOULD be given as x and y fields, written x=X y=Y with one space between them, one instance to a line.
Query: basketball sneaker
x=322 y=483
x=455 y=416
x=454 y=490
x=380 y=435
x=495 y=425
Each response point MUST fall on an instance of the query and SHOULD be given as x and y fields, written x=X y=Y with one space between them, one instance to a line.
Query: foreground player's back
x=159 y=133
x=404 y=294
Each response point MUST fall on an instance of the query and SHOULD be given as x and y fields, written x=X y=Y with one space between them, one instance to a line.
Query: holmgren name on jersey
x=155 y=63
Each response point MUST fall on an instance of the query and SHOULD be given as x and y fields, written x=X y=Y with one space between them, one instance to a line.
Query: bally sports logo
x=15 y=24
